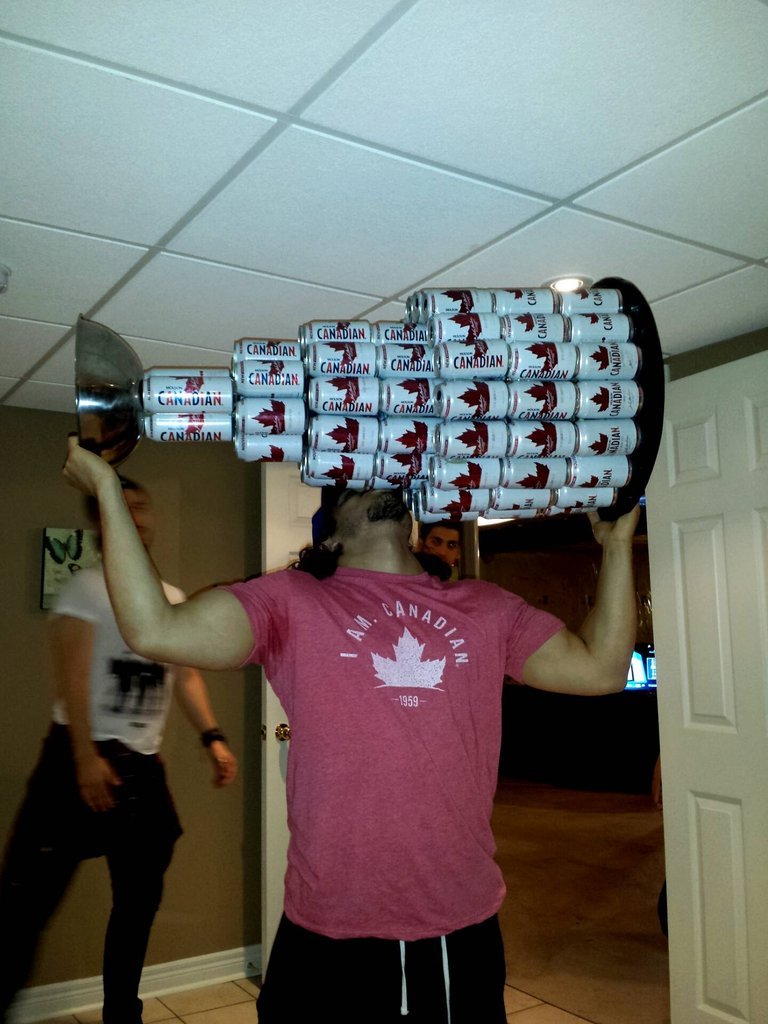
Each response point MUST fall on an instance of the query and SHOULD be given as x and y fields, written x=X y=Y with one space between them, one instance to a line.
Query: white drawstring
x=403 y=986
x=446 y=978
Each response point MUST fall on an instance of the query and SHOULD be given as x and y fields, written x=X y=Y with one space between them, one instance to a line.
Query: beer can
x=338 y=466
x=533 y=474
x=202 y=426
x=585 y=497
x=340 y=359
x=412 y=308
x=608 y=360
x=540 y=327
x=543 y=439
x=402 y=467
x=270 y=378
x=467 y=327
x=591 y=300
x=597 y=437
x=604 y=327
x=407 y=434
x=462 y=439
x=266 y=448
x=521 y=498
x=399 y=332
x=598 y=471
x=270 y=416
x=520 y=513
x=343 y=433
x=264 y=348
x=434 y=302
x=187 y=390
x=472 y=399
x=357 y=395
x=542 y=400
x=407 y=396
x=406 y=360
x=542 y=360
x=489 y=361
x=462 y=473
x=454 y=499
x=517 y=300
x=598 y=399
x=334 y=330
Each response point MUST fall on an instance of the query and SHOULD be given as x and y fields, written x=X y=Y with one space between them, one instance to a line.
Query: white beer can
x=406 y=360
x=585 y=497
x=399 y=332
x=597 y=437
x=463 y=473
x=412 y=308
x=542 y=360
x=542 y=439
x=472 y=400
x=334 y=467
x=604 y=327
x=454 y=500
x=198 y=390
x=270 y=416
x=341 y=359
x=488 y=361
x=462 y=439
x=407 y=396
x=598 y=471
x=467 y=327
x=533 y=474
x=268 y=448
x=356 y=395
x=610 y=360
x=543 y=400
x=521 y=498
x=401 y=467
x=343 y=433
x=334 y=330
x=517 y=300
x=604 y=399
x=270 y=377
x=264 y=348
x=433 y=302
x=591 y=300
x=202 y=426
x=528 y=327
x=399 y=434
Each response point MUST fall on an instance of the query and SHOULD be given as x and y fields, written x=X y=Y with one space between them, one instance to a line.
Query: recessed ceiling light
x=568 y=282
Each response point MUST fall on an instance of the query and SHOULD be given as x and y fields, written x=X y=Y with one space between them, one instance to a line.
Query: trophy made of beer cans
x=497 y=402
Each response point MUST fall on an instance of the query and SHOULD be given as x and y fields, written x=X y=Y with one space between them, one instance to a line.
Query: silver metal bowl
x=108 y=378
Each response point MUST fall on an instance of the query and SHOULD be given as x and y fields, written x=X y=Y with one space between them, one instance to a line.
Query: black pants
x=54 y=830
x=361 y=979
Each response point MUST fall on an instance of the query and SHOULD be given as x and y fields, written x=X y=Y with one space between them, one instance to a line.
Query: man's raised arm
x=210 y=630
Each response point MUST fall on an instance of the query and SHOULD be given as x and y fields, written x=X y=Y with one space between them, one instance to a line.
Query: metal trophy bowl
x=108 y=378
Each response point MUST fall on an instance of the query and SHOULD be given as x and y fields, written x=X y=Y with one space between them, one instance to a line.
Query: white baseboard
x=66 y=997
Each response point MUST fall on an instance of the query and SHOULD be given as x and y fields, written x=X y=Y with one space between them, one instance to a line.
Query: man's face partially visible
x=444 y=543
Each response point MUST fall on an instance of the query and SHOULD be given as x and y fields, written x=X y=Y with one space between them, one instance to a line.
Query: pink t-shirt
x=392 y=685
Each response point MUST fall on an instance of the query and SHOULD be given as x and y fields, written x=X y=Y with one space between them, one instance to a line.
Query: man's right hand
x=83 y=469
x=96 y=780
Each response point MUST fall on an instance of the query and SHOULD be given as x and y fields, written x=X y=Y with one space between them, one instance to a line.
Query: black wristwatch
x=210 y=736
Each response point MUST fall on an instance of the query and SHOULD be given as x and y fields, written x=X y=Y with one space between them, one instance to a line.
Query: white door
x=287 y=507
x=708 y=541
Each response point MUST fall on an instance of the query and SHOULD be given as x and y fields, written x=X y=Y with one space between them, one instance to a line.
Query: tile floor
x=233 y=1002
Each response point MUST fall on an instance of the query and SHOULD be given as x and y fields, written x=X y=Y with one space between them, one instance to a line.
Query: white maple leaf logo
x=407 y=667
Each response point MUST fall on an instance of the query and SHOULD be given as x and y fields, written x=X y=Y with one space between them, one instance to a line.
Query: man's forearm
x=610 y=628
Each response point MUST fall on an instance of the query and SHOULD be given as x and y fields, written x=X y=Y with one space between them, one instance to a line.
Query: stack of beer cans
x=497 y=402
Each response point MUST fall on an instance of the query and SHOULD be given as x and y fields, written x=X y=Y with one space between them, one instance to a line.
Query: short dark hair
x=92 y=505
x=449 y=524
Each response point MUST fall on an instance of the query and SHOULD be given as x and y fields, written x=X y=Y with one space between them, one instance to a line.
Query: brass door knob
x=283 y=732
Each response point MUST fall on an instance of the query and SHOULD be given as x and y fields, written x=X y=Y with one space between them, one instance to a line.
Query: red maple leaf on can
x=276 y=454
x=478 y=395
x=194 y=423
x=194 y=383
x=464 y=504
x=600 y=445
x=347 y=350
x=526 y=319
x=545 y=393
x=419 y=388
x=274 y=417
x=276 y=367
x=417 y=439
x=544 y=436
x=600 y=356
x=348 y=435
x=601 y=398
x=464 y=297
x=539 y=478
x=476 y=439
x=350 y=386
x=545 y=351
x=343 y=472
x=410 y=461
x=470 y=479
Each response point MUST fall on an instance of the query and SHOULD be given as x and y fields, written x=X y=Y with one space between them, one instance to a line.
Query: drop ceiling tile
x=160 y=353
x=734 y=305
x=56 y=275
x=568 y=242
x=24 y=342
x=211 y=306
x=366 y=222
x=265 y=53
x=105 y=153
x=37 y=395
x=719 y=170
x=544 y=98
x=386 y=311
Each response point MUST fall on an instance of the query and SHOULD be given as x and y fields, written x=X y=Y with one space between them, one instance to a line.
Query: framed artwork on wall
x=65 y=552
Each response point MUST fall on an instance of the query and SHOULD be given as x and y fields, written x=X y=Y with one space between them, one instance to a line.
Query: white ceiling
x=189 y=172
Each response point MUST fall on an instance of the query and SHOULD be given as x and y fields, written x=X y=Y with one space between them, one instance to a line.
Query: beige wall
x=207 y=502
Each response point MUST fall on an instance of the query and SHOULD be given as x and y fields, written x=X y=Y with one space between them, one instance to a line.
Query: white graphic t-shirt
x=392 y=685
x=130 y=696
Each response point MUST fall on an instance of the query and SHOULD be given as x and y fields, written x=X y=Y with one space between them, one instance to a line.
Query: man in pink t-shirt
x=391 y=679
